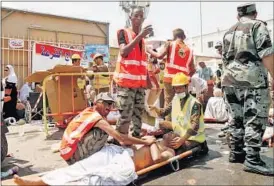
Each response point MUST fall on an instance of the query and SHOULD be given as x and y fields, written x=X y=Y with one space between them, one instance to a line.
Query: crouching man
x=187 y=118
x=88 y=132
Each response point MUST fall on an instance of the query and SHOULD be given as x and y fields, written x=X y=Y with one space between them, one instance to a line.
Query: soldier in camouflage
x=246 y=45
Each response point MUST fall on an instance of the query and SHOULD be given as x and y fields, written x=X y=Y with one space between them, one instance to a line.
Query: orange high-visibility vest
x=75 y=131
x=131 y=71
x=178 y=60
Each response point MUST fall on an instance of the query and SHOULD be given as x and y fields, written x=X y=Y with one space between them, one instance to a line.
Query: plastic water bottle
x=11 y=171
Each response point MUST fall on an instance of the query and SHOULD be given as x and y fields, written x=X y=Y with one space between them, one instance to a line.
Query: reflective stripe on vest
x=76 y=129
x=172 y=66
x=181 y=119
x=130 y=76
x=131 y=71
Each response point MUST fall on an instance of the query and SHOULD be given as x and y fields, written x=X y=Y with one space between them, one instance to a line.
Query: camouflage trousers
x=169 y=94
x=248 y=114
x=130 y=102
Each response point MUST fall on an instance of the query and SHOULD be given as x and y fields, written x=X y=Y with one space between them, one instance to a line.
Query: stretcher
x=213 y=120
x=171 y=161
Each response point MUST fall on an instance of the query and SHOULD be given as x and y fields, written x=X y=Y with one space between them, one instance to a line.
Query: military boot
x=204 y=148
x=236 y=158
x=258 y=168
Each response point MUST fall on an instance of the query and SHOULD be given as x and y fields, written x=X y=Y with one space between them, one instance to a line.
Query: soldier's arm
x=263 y=45
x=194 y=120
x=166 y=111
x=159 y=55
x=191 y=67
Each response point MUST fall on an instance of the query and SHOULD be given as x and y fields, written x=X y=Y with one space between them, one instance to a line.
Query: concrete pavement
x=33 y=154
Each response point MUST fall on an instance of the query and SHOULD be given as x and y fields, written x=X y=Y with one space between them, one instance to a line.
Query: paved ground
x=33 y=154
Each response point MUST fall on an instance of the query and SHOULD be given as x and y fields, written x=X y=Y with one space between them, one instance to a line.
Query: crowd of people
x=241 y=97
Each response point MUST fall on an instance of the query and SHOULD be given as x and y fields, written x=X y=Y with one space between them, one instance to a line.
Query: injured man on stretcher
x=111 y=172
x=84 y=146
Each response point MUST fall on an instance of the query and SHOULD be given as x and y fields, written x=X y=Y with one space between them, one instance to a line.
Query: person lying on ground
x=187 y=117
x=143 y=156
x=88 y=132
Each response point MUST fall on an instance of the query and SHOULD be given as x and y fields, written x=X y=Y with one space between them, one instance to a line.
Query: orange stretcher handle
x=178 y=157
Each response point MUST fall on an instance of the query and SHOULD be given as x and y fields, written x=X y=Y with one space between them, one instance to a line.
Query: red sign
x=55 y=52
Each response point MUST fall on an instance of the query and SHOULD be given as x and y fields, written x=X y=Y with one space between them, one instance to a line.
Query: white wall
x=217 y=36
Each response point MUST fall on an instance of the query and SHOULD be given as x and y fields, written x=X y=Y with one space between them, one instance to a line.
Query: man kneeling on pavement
x=187 y=118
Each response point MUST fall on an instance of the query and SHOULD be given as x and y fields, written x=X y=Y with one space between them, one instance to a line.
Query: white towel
x=112 y=165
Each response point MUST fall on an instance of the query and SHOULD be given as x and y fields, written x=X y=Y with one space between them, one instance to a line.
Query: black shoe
x=204 y=148
x=236 y=158
x=260 y=168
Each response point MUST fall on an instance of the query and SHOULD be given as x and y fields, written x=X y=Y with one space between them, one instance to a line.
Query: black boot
x=236 y=158
x=204 y=148
x=258 y=168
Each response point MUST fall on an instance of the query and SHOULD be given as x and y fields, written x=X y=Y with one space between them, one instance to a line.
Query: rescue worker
x=75 y=58
x=130 y=74
x=179 y=59
x=101 y=82
x=187 y=117
x=88 y=132
x=247 y=55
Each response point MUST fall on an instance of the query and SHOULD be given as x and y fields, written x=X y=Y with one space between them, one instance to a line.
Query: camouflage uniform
x=245 y=84
x=130 y=102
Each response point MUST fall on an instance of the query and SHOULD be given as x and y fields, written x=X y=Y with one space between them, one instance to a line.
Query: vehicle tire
x=4 y=147
x=28 y=113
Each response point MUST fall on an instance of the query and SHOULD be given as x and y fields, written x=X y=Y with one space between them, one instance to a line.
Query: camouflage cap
x=104 y=96
x=246 y=9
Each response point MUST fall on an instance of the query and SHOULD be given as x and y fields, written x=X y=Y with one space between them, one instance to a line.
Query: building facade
x=20 y=29
x=209 y=40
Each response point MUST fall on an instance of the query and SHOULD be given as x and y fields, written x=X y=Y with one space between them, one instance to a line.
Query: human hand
x=145 y=31
x=154 y=108
x=176 y=142
x=149 y=140
x=165 y=124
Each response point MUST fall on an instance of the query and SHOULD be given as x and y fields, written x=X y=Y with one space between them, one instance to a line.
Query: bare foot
x=23 y=181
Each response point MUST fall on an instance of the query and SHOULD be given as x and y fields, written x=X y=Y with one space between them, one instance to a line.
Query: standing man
x=179 y=59
x=131 y=73
x=247 y=55
x=101 y=83
x=219 y=47
x=219 y=71
x=75 y=58
x=205 y=72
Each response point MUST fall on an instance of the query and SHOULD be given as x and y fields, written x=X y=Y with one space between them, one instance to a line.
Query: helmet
x=180 y=79
x=97 y=55
x=75 y=56
x=218 y=44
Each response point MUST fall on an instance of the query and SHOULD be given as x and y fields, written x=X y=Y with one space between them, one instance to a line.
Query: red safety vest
x=131 y=71
x=75 y=131
x=178 y=60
